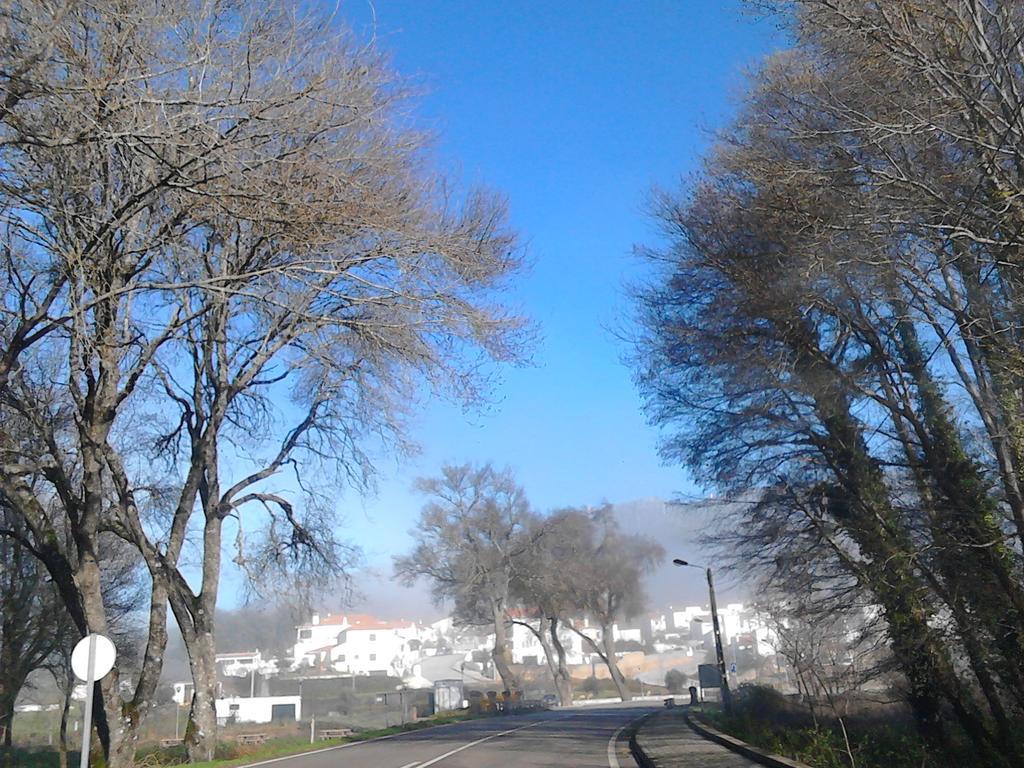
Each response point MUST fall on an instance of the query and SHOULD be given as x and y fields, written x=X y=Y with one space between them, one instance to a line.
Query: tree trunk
x=62 y=743
x=15 y=666
x=608 y=644
x=859 y=504
x=501 y=655
x=7 y=697
x=134 y=712
x=195 y=616
x=107 y=718
x=545 y=643
x=201 y=731
x=563 y=680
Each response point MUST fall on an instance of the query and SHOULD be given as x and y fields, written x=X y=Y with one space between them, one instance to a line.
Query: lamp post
x=719 y=653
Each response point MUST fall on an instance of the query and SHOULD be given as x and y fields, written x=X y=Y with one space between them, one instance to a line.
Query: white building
x=259 y=709
x=624 y=633
x=681 y=617
x=321 y=633
x=658 y=623
x=239 y=664
x=527 y=649
x=369 y=646
x=702 y=631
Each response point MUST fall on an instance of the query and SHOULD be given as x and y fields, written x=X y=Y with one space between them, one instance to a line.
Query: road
x=577 y=738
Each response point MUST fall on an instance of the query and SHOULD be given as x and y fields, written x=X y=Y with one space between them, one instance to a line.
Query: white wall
x=681 y=618
x=362 y=651
x=257 y=709
x=627 y=633
x=319 y=635
x=524 y=643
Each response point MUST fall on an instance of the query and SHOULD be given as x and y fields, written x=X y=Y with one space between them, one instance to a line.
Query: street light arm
x=686 y=563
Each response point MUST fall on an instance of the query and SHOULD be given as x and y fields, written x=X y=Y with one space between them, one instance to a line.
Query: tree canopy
x=833 y=336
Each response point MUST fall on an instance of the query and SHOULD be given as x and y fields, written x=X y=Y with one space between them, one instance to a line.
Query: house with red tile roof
x=358 y=644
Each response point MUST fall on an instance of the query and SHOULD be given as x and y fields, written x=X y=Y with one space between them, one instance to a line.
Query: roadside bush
x=675 y=681
x=762 y=716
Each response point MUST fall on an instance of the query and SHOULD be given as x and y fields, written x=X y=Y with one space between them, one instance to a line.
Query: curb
x=630 y=733
x=741 y=747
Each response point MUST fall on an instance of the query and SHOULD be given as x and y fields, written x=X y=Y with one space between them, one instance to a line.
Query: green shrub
x=675 y=681
x=767 y=719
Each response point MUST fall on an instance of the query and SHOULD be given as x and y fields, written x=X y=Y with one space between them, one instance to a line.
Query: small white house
x=259 y=709
x=239 y=664
x=321 y=632
x=369 y=646
x=627 y=634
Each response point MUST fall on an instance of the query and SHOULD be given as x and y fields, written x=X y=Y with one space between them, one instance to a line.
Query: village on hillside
x=345 y=653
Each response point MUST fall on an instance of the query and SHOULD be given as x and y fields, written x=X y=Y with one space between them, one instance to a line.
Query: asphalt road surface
x=582 y=737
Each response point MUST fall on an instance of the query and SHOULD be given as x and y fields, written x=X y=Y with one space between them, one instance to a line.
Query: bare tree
x=473 y=536
x=224 y=260
x=542 y=587
x=831 y=654
x=604 y=579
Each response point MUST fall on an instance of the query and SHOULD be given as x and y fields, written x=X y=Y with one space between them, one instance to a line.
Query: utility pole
x=726 y=694
x=719 y=653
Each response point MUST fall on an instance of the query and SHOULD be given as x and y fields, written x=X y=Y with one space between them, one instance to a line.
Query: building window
x=372 y=638
x=305 y=634
x=373 y=657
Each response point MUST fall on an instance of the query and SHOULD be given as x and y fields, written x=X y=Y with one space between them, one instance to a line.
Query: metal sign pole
x=90 y=683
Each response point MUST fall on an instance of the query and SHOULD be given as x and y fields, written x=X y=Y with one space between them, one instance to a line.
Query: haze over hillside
x=678 y=527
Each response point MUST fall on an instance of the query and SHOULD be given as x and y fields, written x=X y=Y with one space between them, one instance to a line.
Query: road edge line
x=630 y=729
x=613 y=742
x=448 y=754
x=346 y=745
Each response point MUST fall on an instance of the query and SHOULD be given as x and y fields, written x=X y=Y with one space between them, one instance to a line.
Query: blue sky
x=574 y=110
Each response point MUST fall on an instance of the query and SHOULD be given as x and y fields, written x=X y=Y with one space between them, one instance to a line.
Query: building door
x=282 y=712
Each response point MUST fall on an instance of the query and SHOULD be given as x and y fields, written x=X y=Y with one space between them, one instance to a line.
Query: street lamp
x=719 y=653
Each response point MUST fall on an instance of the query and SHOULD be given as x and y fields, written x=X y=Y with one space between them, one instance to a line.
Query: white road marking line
x=439 y=758
x=347 y=746
x=410 y=765
x=613 y=758
x=299 y=755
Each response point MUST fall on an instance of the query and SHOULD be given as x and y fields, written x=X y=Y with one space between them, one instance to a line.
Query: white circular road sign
x=104 y=654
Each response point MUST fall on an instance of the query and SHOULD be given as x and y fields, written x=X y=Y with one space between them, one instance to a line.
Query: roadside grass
x=14 y=757
x=880 y=737
x=230 y=754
